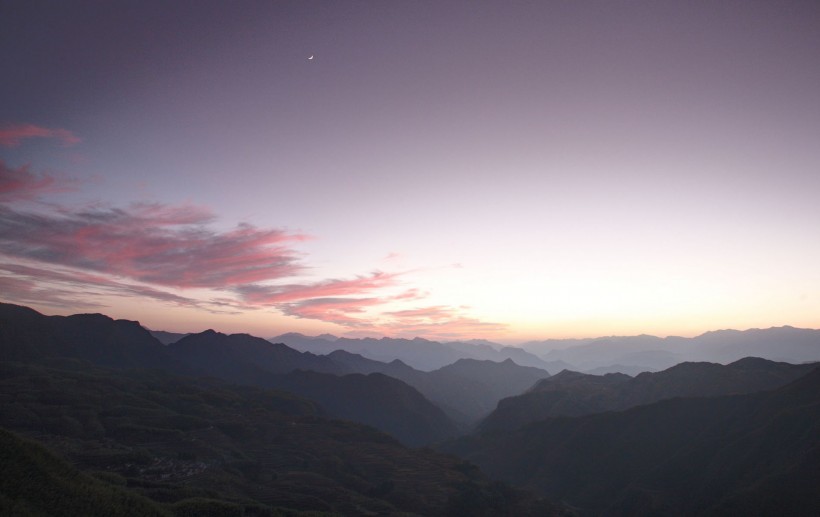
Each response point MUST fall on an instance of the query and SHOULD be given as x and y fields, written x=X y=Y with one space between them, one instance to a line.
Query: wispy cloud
x=30 y=291
x=22 y=184
x=347 y=312
x=367 y=316
x=439 y=322
x=13 y=135
x=75 y=257
x=261 y=294
x=83 y=256
x=157 y=244
x=66 y=288
x=411 y=294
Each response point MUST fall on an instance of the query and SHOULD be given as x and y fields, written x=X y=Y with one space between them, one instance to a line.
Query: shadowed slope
x=207 y=445
x=466 y=390
x=576 y=394
x=385 y=403
x=679 y=456
x=27 y=335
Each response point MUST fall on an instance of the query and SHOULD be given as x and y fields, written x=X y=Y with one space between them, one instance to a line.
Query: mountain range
x=130 y=422
x=466 y=390
x=753 y=454
x=396 y=402
x=651 y=353
x=151 y=435
x=625 y=354
x=421 y=354
x=575 y=394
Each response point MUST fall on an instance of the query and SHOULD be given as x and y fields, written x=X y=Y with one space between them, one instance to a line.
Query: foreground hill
x=205 y=447
x=755 y=454
x=576 y=394
x=35 y=482
x=386 y=403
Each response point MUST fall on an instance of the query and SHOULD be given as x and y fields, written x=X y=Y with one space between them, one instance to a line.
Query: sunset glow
x=451 y=170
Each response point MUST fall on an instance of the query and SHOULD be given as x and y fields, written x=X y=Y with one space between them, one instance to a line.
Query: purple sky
x=508 y=170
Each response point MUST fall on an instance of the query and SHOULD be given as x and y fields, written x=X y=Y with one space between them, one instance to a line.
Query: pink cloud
x=438 y=322
x=22 y=184
x=411 y=294
x=341 y=311
x=79 y=288
x=28 y=291
x=13 y=135
x=437 y=312
x=259 y=294
x=363 y=315
x=96 y=253
x=156 y=244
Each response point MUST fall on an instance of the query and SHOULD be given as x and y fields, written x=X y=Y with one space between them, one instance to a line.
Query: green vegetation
x=188 y=446
x=35 y=482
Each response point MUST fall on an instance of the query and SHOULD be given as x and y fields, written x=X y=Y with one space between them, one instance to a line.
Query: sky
x=450 y=170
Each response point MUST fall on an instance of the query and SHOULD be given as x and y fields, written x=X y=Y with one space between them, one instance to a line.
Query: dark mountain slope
x=244 y=358
x=375 y=399
x=677 y=457
x=466 y=390
x=199 y=445
x=383 y=402
x=475 y=387
x=387 y=404
x=576 y=394
x=27 y=335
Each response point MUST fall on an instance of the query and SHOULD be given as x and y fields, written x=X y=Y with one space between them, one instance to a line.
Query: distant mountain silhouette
x=418 y=353
x=475 y=387
x=166 y=338
x=754 y=454
x=787 y=344
x=421 y=354
x=631 y=370
x=576 y=394
x=488 y=351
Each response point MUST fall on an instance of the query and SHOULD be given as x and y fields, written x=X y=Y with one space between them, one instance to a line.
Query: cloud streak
x=17 y=184
x=157 y=244
x=74 y=257
x=347 y=312
x=260 y=294
x=69 y=288
x=13 y=135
